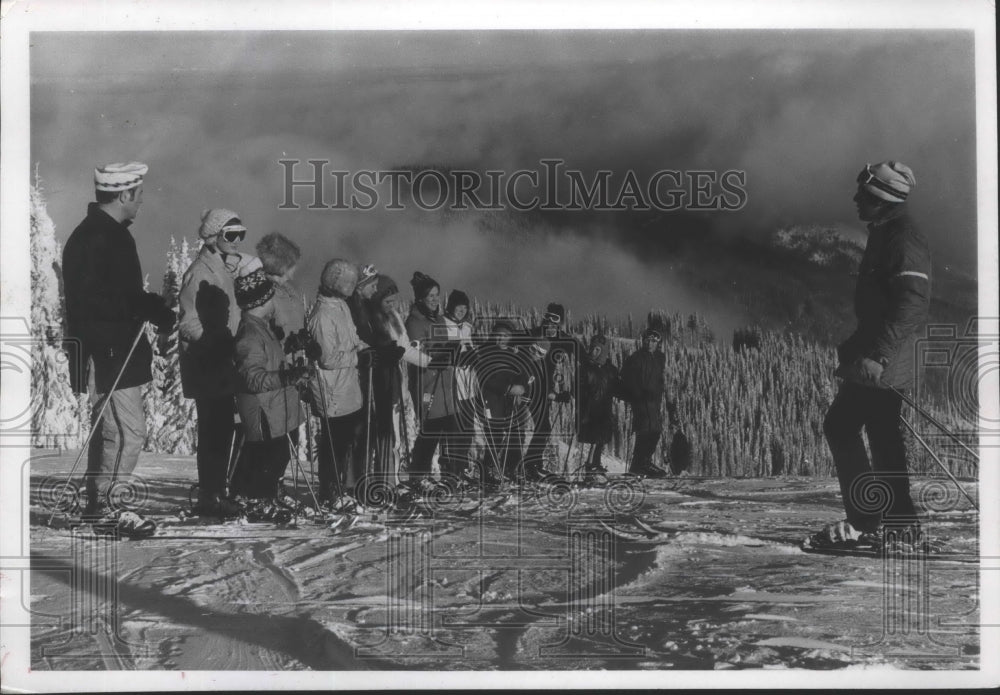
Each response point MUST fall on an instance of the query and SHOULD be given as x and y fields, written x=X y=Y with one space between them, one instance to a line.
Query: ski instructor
x=877 y=362
x=106 y=307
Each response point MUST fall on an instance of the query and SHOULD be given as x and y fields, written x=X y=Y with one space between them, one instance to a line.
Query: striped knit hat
x=253 y=289
x=889 y=181
x=118 y=177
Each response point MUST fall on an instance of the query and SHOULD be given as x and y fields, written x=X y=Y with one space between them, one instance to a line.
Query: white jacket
x=331 y=325
x=465 y=378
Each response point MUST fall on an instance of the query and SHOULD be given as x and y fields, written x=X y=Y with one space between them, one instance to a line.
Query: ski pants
x=118 y=438
x=876 y=491
x=260 y=468
x=535 y=457
x=444 y=431
x=642 y=452
x=594 y=460
x=216 y=424
x=336 y=453
x=504 y=440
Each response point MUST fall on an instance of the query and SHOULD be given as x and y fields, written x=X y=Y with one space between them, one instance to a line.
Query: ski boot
x=123 y=524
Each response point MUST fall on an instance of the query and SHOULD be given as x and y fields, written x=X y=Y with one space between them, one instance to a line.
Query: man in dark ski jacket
x=599 y=384
x=503 y=382
x=642 y=385
x=558 y=365
x=106 y=307
x=891 y=302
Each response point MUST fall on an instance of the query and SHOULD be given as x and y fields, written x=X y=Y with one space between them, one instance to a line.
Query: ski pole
x=505 y=447
x=587 y=461
x=940 y=463
x=954 y=437
x=368 y=424
x=572 y=439
x=404 y=448
x=293 y=455
x=294 y=451
x=491 y=449
x=96 y=422
x=231 y=468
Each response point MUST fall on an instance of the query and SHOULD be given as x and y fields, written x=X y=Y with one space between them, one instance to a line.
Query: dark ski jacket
x=102 y=283
x=891 y=299
x=642 y=386
x=361 y=312
x=564 y=355
x=498 y=369
x=599 y=385
x=432 y=388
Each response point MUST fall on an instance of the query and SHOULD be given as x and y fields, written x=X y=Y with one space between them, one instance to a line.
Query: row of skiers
x=379 y=382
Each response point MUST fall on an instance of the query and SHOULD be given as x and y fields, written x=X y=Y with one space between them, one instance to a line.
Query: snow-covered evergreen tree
x=57 y=414
x=170 y=418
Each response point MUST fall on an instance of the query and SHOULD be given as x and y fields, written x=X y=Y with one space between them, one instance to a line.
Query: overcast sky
x=800 y=112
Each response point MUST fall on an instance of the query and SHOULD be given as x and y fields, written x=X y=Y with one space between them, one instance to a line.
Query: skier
x=437 y=413
x=425 y=313
x=279 y=256
x=599 y=385
x=267 y=393
x=359 y=303
x=106 y=307
x=503 y=380
x=557 y=382
x=361 y=313
x=890 y=301
x=335 y=388
x=458 y=324
x=394 y=415
x=642 y=385
x=209 y=318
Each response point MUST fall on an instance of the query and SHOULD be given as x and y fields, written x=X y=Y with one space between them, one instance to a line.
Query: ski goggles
x=366 y=274
x=234 y=235
x=552 y=317
x=651 y=335
x=867 y=177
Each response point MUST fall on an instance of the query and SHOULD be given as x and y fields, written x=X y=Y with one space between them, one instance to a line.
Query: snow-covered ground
x=528 y=581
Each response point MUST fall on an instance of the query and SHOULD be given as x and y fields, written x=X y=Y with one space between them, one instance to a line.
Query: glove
x=295 y=341
x=313 y=350
x=166 y=323
x=293 y=375
x=391 y=354
x=161 y=316
x=562 y=397
x=516 y=390
x=367 y=358
x=150 y=306
x=864 y=371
